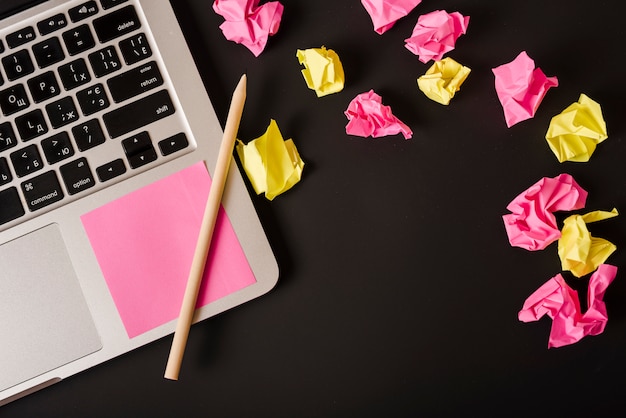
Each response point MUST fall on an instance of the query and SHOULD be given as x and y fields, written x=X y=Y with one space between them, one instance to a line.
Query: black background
x=399 y=291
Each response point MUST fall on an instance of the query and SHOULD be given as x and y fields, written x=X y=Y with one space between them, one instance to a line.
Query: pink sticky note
x=385 y=13
x=435 y=34
x=532 y=224
x=249 y=24
x=367 y=116
x=560 y=302
x=144 y=243
x=521 y=87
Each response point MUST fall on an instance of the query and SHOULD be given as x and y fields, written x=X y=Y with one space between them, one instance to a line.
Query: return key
x=135 y=82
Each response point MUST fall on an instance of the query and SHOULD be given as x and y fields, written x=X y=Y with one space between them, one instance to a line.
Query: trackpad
x=45 y=322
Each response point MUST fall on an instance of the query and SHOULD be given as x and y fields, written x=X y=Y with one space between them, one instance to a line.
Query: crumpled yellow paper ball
x=579 y=252
x=574 y=133
x=323 y=71
x=442 y=80
x=272 y=164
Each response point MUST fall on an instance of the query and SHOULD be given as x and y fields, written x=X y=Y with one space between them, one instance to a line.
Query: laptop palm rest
x=42 y=333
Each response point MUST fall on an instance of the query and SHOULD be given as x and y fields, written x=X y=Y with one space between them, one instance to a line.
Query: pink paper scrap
x=249 y=24
x=435 y=34
x=367 y=116
x=560 y=302
x=385 y=13
x=144 y=243
x=521 y=87
x=532 y=224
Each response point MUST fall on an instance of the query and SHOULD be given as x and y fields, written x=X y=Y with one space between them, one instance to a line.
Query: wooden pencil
x=203 y=244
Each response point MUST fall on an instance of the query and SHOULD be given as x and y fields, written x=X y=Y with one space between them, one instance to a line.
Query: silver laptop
x=107 y=141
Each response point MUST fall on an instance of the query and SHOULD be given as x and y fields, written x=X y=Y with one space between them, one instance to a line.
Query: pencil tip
x=243 y=81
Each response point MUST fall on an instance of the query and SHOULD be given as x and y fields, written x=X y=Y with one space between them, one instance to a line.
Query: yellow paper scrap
x=574 y=133
x=272 y=164
x=322 y=71
x=579 y=252
x=442 y=80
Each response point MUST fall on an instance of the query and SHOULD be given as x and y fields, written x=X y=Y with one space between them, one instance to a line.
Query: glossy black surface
x=8 y=7
x=399 y=291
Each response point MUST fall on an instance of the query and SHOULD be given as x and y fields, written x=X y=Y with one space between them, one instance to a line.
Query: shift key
x=138 y=113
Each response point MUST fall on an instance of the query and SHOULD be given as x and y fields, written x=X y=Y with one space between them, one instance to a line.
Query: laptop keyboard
x=81 y=96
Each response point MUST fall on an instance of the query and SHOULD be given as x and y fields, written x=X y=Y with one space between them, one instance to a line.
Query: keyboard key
x=107 y=4
x=138 y=113
x=134 y=82
x=117 y=23
x=77 y=176
x=92 y=99
x=62 y=112
x=10 y=205
x=137 y=143
x=83 y=11
x=57 y=148
x=135 y=48
x=31 y=125
x=42 y=191
x=52 y=24
x=78 y=39
x=18 y=64
x=48 y=52
x=20 y=37
x=88 y=134
x=43 y=87
x=5 y=172
x=74 y=74
x=26 y=161
x=142 y=158
x=13 y=99
x=111 y=170
x=139 y=150
x=104 y=61
x=172 y=144
x=7 y=136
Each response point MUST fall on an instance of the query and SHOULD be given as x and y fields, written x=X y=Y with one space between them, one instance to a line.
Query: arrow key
x=111 y=170
x=172 y=144
x=139 y=149
x=142 y=158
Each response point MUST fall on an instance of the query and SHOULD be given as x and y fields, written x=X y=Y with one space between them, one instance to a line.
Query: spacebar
x=138 y=114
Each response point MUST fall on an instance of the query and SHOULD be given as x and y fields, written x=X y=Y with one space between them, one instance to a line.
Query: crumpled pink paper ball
x=521 y=87
x=367 y=116
x=385 y=13
x=435 y=34
x=249 y=24
x=560 y=302
x=532 y=224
